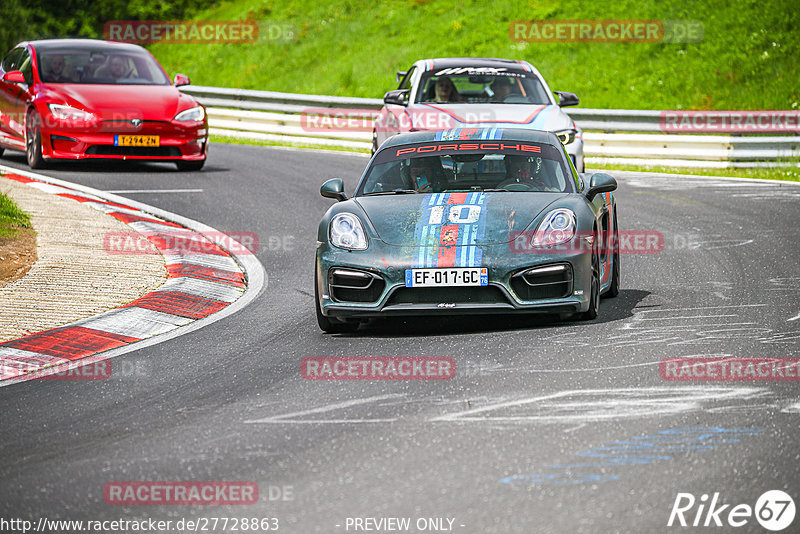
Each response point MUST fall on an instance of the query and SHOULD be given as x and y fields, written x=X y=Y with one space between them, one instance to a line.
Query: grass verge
x=788 y=174
x=12 y=218
x=260 y=142
x=746 y=57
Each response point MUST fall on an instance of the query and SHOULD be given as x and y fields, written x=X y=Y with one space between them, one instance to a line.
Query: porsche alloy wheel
x=594 y=296
x=33 y=141
x=613 y=290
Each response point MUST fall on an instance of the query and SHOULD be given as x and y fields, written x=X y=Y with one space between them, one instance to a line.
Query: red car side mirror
x=14 y=76
x=181 y=79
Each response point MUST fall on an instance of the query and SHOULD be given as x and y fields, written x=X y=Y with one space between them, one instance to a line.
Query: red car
x=80 y=99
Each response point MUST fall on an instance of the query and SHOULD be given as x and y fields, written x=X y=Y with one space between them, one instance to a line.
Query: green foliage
x=746 y=60
x=11 y=217
x=42 y=19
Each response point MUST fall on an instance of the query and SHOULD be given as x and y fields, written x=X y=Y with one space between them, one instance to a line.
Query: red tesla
x=80 y=99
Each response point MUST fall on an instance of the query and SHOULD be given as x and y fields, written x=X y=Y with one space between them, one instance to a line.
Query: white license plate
x=452 y=277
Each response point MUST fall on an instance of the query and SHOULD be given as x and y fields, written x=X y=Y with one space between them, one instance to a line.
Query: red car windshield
x=100 y=67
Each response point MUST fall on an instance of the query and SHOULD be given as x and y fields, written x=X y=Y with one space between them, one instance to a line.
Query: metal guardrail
x=284 y=117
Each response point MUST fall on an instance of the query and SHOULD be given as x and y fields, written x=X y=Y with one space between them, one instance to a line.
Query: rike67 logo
x=774 y=511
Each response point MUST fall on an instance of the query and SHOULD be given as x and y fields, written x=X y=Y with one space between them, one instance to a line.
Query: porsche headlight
x=192 y=114
x=64 y=112
x=556 y=228
x=346 y=231
x=566 y=136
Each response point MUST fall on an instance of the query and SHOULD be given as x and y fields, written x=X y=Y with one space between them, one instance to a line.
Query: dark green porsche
x=467 y=221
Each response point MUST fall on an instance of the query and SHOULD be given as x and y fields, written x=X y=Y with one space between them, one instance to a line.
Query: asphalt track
x=547 y=427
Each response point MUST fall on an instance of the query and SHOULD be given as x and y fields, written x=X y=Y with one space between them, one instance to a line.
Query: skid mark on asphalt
x=638 y=450
x=677 y=326
x=294 y=416
x=792 y=408
x=590 y=405
x=572 y=407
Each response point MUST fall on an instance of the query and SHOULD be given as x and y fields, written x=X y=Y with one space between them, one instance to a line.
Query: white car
x=476 y=93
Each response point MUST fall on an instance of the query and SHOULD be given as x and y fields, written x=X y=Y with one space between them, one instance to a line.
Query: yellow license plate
x=136 y=140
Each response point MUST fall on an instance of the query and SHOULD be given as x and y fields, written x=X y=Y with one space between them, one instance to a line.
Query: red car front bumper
x=176 y=141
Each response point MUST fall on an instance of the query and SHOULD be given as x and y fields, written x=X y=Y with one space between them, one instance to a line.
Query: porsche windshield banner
x=469 y=140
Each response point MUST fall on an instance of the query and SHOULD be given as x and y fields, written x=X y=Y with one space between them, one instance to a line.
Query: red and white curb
x=204 y=284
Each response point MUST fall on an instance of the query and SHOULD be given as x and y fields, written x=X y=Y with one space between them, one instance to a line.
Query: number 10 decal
x=458 y=214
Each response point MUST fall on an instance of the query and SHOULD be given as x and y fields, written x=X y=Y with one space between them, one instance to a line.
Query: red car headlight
x=63 y=112
x=192 y=114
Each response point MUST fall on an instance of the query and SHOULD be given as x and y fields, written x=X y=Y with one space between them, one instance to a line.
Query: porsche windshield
x=468 y=166
x=99 y=66
x=499 y=86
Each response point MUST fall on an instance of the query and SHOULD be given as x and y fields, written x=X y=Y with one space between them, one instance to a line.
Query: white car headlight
x=192 y=114
x=346 y=231
x=64 y=112
x=556 y=228
x=566 y=136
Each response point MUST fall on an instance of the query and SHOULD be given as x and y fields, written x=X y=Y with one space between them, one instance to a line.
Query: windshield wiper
x=393 y=192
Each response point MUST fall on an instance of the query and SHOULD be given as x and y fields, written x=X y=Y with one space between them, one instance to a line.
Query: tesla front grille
x=148 y=151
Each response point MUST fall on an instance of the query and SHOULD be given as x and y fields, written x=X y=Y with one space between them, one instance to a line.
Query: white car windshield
x=500 y=88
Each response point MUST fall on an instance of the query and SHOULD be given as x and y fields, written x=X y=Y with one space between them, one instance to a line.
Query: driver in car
x=426 y=174
x=528 y=171
x=446 y=91
x=55 y=72
x=115 y=69
x=501 y=89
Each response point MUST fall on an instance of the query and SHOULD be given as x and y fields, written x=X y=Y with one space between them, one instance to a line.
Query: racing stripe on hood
x=467 y=134
x=448 y=239
x=540 y=119
x=468 y=254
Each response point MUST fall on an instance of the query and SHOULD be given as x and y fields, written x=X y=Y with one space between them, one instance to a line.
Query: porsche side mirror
x=14 y=76
x=398 y=97
x=600 y=183
x=182 y=79
x=333 y=188
x=567 y=99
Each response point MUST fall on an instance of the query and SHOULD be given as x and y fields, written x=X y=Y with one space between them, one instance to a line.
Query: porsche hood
x=475 y=218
